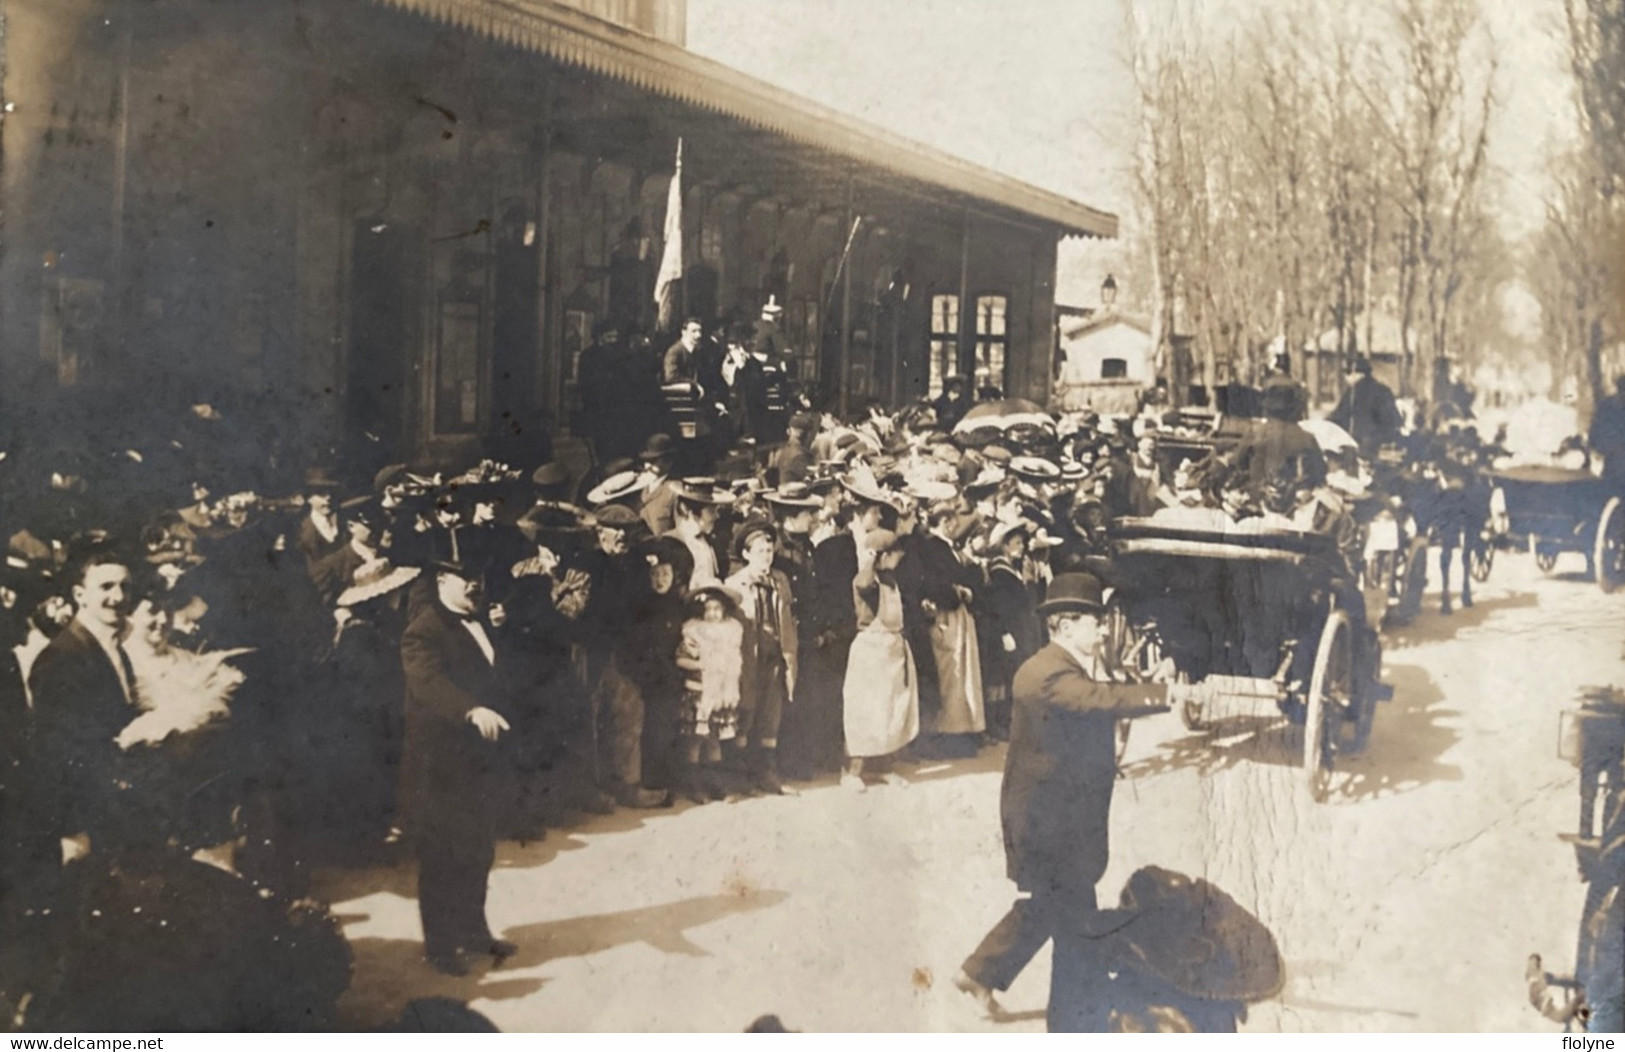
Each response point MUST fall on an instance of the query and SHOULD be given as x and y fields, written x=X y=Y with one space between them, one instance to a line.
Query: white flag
x=671 y=256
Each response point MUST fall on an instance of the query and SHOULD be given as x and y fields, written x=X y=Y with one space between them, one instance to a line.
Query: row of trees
x=1576 y=264
x=1313 y=168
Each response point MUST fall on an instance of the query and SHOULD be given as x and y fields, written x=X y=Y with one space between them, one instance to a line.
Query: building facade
x=404 y=218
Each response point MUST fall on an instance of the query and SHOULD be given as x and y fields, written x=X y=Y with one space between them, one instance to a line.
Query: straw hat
x=793 y=495
x=618 y=486
x=1035 y=468
x=866 y=489
x=702 y=490
x=376 y=578
x=1003 y=531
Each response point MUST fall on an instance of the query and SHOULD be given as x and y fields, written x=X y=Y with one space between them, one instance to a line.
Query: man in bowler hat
x=456 y=720
x=1055 y=802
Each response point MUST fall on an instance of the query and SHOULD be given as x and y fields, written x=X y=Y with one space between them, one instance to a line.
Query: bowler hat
x=551 y=473
x=1074 y=593
x=551 y=518
x=617 y=517
x=658 y=447
x=321 y=480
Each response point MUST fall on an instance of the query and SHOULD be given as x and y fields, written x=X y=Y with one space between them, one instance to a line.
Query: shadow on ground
x=1409 y=735
x=1431 y=626
x=391 y=972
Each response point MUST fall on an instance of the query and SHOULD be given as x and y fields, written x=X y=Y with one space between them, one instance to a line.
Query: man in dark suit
x=319 y=532
x=1055 y=803
x=83 y=688
x=1367 y=410
x=456 y=716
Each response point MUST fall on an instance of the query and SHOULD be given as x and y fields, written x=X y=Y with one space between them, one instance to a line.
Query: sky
x=1040 y=89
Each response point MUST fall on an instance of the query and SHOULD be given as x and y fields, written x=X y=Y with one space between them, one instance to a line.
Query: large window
x=944 y=341
x=990 y=341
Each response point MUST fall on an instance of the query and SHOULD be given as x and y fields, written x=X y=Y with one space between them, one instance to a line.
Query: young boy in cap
x=771 y=645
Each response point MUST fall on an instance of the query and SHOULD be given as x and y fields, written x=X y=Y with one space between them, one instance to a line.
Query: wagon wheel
x=1609 y=553
x=1331 y=692
x=1483 y=560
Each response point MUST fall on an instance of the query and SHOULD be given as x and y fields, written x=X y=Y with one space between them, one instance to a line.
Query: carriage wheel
x=1483 y=561
x=1609 y=553
x=1331 y=693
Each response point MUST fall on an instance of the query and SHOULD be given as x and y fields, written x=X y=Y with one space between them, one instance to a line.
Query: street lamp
x=1108 y=293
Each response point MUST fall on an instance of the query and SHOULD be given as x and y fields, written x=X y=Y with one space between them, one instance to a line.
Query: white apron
x=881 y=693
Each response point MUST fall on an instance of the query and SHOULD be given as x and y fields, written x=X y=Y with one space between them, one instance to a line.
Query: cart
x=1552 y=510
x=1269 y=619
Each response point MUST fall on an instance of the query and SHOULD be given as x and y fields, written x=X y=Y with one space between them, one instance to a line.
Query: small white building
x=1107 y=361
x=1107 y=347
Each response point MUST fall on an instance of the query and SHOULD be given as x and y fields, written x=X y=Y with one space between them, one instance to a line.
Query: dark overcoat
x=1008 y=607
x=1060 y=769
x=81 y=779
x=449 y=769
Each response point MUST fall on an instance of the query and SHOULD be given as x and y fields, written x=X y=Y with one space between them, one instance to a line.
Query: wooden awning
x=575 y=38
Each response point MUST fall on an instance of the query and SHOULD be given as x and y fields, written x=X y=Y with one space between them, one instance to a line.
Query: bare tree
x=1298 y=170
x=1579 y=258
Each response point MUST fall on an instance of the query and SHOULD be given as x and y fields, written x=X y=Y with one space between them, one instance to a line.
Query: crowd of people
x=196 y=671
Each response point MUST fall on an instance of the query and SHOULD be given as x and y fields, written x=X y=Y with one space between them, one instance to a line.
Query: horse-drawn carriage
x=1552 y=510
x=1268 y=618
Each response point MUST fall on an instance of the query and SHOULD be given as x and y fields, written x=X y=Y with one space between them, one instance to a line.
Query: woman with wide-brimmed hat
x=882 y=689
x=365 y=720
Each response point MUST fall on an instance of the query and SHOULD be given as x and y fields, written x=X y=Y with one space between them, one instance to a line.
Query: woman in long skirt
x=882 y=691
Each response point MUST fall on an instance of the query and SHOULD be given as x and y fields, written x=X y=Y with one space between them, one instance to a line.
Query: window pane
x=990 y=312
x=990 y=363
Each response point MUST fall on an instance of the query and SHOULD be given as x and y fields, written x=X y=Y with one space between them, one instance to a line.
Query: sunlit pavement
x=1408 y=901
